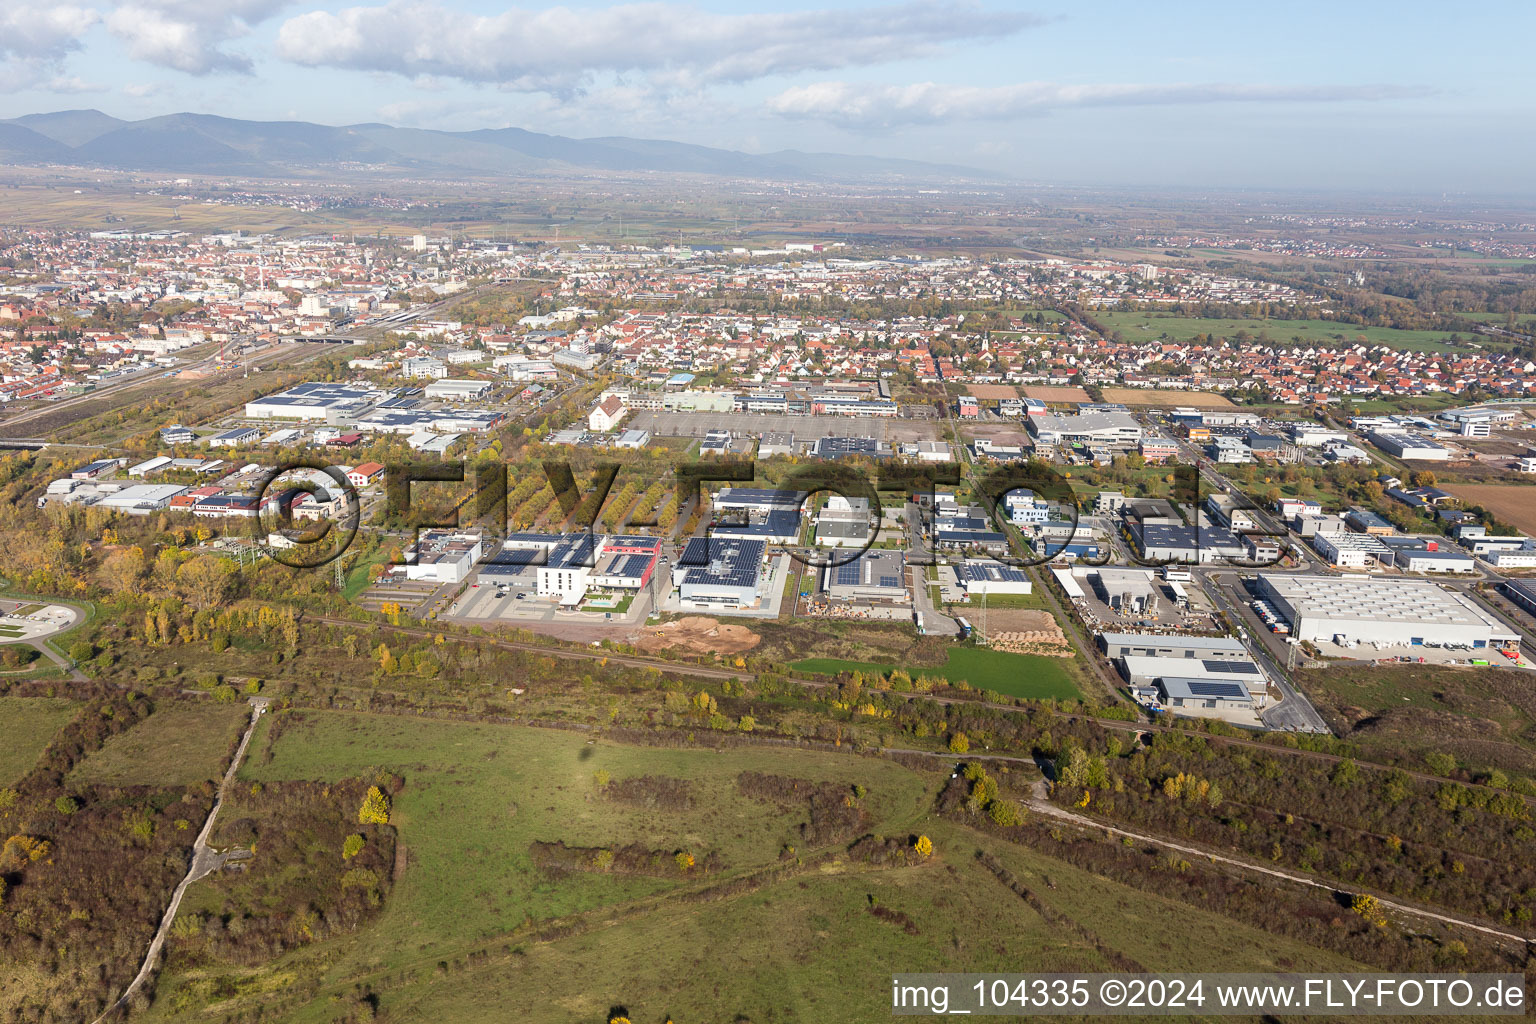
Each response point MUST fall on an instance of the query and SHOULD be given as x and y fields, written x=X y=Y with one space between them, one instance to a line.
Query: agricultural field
x=1056 y=395
x=181 y=744
x=1485 y=717
x=1513 y=503
x=27 y=724
x=1163 y=398
x=1144 y=326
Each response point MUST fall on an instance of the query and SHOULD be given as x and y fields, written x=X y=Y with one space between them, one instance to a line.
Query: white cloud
x=560 y=49
x=884 y=106
x=188 y=35
x=73 y=84
x=34 y=38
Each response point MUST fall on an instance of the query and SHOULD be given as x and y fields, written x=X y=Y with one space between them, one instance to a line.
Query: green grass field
x=803 y=947
x=477 y=795
x=179 y=745
x=1017 y=675
x=1484 y=716
x=1145 y=326
x=26 y=726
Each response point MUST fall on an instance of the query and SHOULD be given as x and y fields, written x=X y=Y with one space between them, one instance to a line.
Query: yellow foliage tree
x=375 y=809
x=924 y=846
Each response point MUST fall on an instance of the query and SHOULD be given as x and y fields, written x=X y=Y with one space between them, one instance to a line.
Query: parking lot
x=413 y=596
x=1196 y=616
x=484 y=602
x=805 y=428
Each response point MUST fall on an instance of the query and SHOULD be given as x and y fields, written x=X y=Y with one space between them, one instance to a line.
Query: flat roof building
x=314 y=401
x=876 y=575
x=1388 y=612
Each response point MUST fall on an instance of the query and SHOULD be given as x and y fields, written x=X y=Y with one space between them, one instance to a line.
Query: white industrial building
x=1171 y=645
x=141 y=499
x=443 y=557
x=983 y=576
x=313 y=401
x=1110 y=427
x=1128 y=591
x=1350 y=550
x=1393 y=612
x=1240 y=669
x=455 y=390
x=1403 y=445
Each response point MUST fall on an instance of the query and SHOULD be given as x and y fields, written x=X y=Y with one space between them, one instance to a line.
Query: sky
x=1346 y=95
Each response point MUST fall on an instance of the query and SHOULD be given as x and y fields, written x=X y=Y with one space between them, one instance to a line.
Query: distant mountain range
x=206 y=144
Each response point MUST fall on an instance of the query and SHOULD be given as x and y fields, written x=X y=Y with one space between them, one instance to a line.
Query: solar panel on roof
x=890 y=581
x=1215 y=688
x=1230 y=667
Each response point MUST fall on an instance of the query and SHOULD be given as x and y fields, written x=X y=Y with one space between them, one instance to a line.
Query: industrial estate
x=613 y=581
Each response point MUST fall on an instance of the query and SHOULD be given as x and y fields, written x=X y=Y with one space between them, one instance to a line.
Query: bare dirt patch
x=988 y=392
x=999 y=433
x=697 y=634
x=1026 y=631
x=1056 y=393
x=1158 y=396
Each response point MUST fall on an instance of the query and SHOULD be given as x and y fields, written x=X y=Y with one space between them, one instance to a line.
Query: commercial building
x=1194 y=695
x=982 y=576
x=1403 y=445
x=149 y=466
x=1120 y=645
x=1241 y=670
x=458 y=390
x=141 y=499
x=443 y=557
x=844 y=523
x=715 y=574
x=1522 y=592
x=845 y=447
x=1350 y=550
x=1386 y=612
x=1110 y=428
x=876 y=575
x=314 y=401
x=1128 y=591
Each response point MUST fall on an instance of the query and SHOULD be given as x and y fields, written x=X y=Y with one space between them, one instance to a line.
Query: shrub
x=352 y=846
x=375 y=809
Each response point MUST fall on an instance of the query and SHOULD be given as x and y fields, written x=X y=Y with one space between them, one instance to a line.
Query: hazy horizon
x=1313 y=98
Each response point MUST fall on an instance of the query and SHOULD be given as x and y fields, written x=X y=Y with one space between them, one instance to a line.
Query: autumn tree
x=207 y=581
x=123 y=569
x=375 y=809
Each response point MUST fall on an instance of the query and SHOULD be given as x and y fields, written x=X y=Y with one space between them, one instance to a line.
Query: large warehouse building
x=314 y=401
x=1380 y=611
